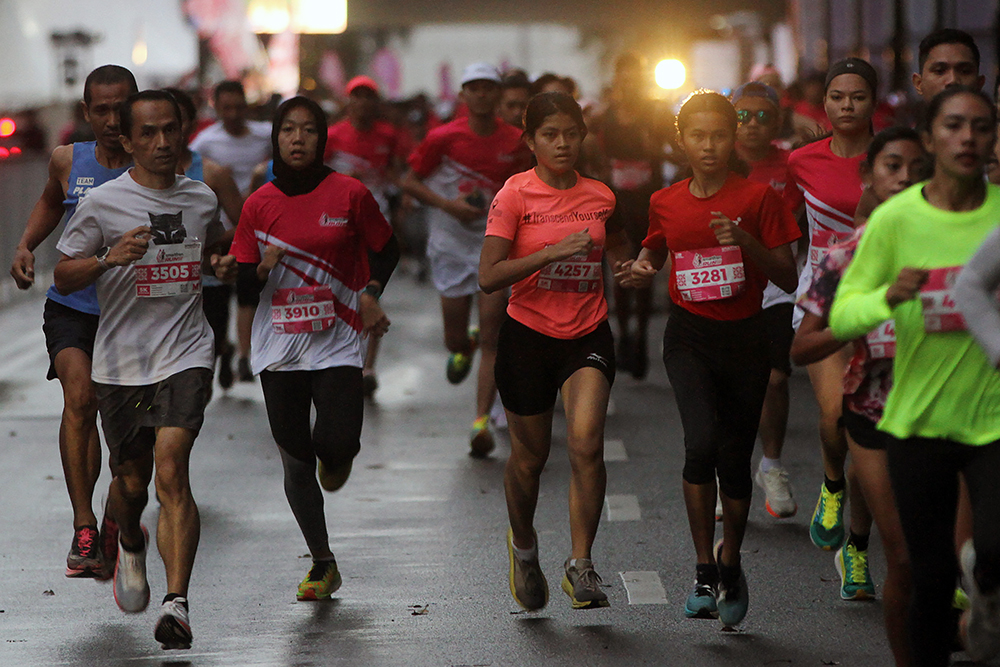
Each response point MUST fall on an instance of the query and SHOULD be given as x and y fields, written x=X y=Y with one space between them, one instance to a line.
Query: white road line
x=614 y=450
x=643 y=588
x=623 y=508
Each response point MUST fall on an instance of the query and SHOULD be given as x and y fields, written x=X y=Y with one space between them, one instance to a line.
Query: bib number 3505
x=169 y=270
x=297 y=310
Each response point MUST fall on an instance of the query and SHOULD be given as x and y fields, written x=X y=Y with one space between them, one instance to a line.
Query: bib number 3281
x=710 y=274
x=297 y=310
x=169 y=270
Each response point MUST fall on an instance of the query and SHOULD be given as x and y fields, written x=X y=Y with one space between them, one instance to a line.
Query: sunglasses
x=763 y=116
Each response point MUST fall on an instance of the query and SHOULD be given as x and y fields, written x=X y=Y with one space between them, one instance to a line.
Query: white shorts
x=454 y=276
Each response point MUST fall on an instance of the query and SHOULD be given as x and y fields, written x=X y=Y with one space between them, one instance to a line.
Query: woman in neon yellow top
x=943 y=411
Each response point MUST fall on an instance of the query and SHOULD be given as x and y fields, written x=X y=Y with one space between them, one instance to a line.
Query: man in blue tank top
x=70 y=320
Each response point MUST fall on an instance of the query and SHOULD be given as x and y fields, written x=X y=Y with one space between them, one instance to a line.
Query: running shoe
x=481 y=438
x=460 y=363
x=827 y=527
x=583 y=585
x=173 y=630
x=777 y=491
x=334 y=478
x=527 y=581
x=732 y=597
x=109 y=545
x=369 y=383
x=243 y=368
x=980 y=625
x=226 y=367
x=855 y=578
x=701 y=602
x=960 y=600
x=84 y=558
x=322 y=581
x=131 y=587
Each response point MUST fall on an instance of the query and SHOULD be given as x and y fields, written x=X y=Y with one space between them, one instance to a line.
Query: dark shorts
x=247 y=291
x=531 y=367
x=778 y=324
x=130 y=415
x=67 y=327
x=862 y=430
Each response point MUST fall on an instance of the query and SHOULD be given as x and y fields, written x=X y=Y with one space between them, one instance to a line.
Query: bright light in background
x=319 y=16
x=139 y=53
x=7 y=127
x=669 y=74
x=269 y=16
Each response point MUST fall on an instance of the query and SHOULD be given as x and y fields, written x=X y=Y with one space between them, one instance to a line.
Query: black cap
x=853 y=66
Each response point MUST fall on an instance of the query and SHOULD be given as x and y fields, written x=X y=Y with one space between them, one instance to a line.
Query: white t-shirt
x=241 y=154
x=143 y=341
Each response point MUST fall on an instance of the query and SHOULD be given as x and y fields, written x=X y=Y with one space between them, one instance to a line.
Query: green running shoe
x=460 y=363
x=827 y=527
x=322 y=581
x=855 y=578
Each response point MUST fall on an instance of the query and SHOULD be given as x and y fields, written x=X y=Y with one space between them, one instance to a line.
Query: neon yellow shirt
x=945 y=387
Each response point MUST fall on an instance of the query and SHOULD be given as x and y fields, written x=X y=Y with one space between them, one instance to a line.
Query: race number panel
x=710 y=274
x=882 y=341
x=579 y=273
x=169 y=270
x=821 y=241
x=937 y=297
x=297 y=310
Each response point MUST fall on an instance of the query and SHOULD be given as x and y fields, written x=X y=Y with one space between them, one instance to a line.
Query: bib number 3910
x=169 y=270
x=297 y=310
x=937 y=297
x=710 y=274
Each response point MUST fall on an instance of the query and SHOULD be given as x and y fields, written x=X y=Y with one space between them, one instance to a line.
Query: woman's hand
x=273 y=255
x=373 y=319
x=578 y=243
x=642 y=273
x=623 y=273
x=726 y=231
x=907 y=285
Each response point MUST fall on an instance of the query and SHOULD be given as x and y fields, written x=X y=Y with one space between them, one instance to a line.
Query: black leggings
x=719 y=372
x=215 y=303
x=339 y=400
x=924 y=475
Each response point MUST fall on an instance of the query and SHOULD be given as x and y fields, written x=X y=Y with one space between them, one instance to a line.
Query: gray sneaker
x=131 y=587
x=777 y=491
x=583 y=585
x=981 y=623
x=527 y=582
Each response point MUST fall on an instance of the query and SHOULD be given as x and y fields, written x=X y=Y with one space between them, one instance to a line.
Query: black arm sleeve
x=383 y=262
x=246 y=279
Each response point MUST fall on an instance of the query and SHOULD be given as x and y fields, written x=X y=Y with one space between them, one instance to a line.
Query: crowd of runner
x=812 y=230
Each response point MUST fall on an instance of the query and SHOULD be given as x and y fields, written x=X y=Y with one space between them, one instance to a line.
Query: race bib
x=821 y=241
x=937 y=297
x=710 y=274
x=579 y=273
x=169 y=270
x=882 y=341
x=297 y=310
x=630 y=174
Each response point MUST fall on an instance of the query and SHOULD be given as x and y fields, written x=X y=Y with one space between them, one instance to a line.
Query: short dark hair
x=886 y=137
x=705 y=100
x=515 y=79
x=125 y=121
x=108 y=75
x=185 y=102
x=945 y=36
x=543 y=105
x=230 y=86
x=936 y=104
x=549 y=77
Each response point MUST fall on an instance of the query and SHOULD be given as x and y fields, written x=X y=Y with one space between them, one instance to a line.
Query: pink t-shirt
x=564 y=299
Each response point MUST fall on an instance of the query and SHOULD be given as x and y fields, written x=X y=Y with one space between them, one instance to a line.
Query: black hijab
x=291 y=181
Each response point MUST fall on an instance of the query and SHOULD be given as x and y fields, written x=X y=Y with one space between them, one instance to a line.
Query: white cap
x=480 y=72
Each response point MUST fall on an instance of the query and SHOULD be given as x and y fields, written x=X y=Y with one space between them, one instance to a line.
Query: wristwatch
x=102 y=257
x=373 y=291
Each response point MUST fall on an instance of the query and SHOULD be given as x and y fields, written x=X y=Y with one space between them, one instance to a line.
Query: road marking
x=623 y=508
x=644 y=588
x=614 y=450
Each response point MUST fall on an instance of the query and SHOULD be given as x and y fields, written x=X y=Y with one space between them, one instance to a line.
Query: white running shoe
x=173 y=630
x=131 y=587
x=778 y=491
x=981 y=623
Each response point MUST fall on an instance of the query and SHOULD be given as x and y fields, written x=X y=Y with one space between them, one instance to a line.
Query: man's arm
x=457 y=208
x=72 y=274
x=44 y=217
x=220 y=179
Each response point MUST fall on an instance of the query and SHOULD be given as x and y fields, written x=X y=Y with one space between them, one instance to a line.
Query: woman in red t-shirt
x=545 y=238
x=725 y=238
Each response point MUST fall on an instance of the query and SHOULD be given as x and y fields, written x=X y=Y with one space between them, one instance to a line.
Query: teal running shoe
x=855 y=578
x=701 y=602
x=732 y=598
x=827 y=527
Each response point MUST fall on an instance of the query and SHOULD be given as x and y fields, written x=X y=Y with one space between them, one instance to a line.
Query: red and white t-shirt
x=679 y=222
x=365 y=155
x=454 y=161
x=564 y=299
x=773 y=171
x=326 y=235
x=830 y=186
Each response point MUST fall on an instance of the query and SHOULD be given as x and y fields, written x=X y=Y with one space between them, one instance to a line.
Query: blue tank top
x=269 y=173
x=85 y=173
x=196 y=171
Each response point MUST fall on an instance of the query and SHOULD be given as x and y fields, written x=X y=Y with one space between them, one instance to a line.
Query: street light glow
x=669 y=74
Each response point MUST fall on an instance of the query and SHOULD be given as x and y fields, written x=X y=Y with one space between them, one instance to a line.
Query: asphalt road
x=419 y=534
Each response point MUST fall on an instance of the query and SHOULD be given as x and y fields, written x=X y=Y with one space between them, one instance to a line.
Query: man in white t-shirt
x=241 y=145
x=142 y=238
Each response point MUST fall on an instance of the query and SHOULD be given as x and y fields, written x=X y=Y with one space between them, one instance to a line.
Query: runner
x=895 y=161
x=946 y=58
x=514 y=98
x=628 y=155
x=725 y=237
x=368 y=149
x=153 y=351
x=214 y=293
x=457 y=169
x=941 y=415
x=758 y=111
x=71 y=320
x=825 y=176
x=546 y=237
x=308 y=236
x=240 y=144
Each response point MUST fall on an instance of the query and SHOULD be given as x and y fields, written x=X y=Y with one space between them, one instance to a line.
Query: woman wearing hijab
x=322 y=253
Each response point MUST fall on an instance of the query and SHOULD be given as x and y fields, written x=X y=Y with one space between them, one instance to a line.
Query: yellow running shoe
x=322 y=581
x=481 y=439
